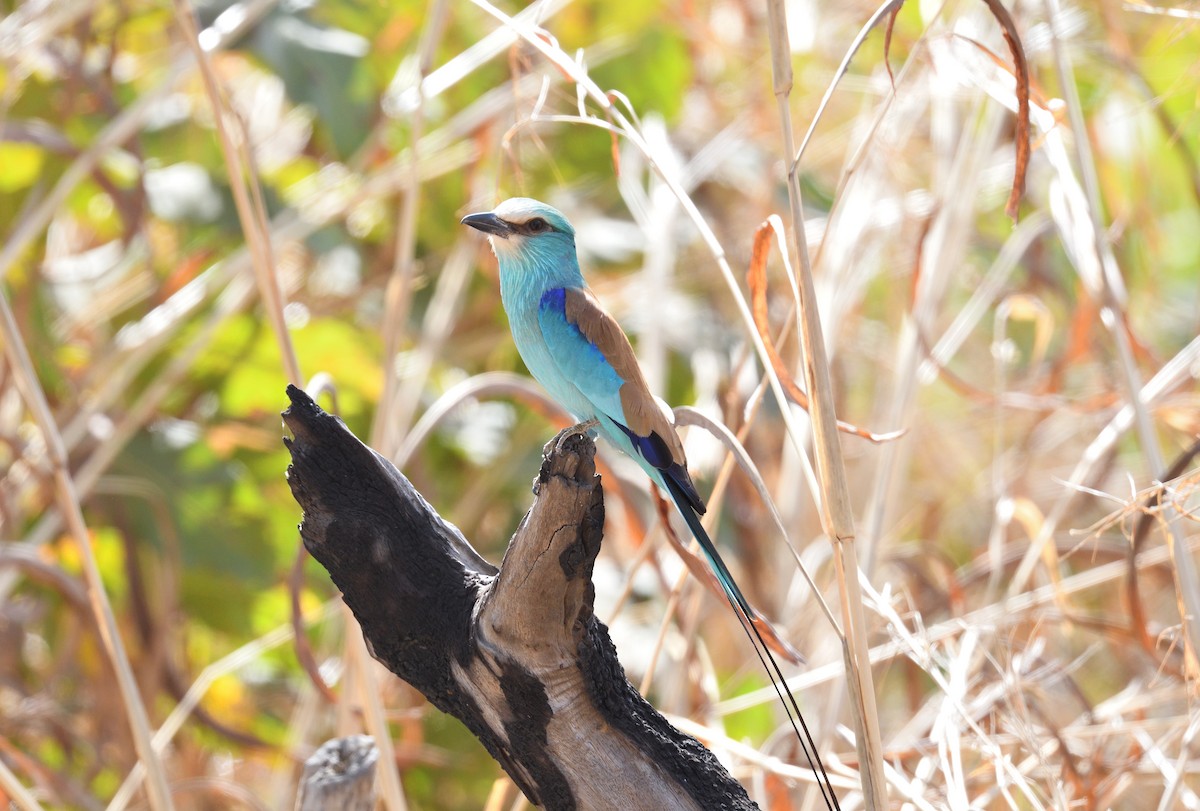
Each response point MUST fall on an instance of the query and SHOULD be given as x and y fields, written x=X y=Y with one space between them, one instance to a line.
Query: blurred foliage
x=136 y=300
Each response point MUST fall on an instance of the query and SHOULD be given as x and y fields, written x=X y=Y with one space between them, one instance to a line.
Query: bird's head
x=525 y=232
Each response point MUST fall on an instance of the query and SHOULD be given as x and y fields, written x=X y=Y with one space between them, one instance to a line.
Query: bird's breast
x=521 y=290
x=534 y=351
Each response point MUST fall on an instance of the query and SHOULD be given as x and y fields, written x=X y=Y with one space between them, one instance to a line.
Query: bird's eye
x=537 y=225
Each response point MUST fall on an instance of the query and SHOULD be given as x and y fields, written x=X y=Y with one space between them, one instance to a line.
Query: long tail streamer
x=747 y=616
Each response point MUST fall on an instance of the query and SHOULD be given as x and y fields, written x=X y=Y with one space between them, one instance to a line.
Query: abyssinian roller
x=579 y=353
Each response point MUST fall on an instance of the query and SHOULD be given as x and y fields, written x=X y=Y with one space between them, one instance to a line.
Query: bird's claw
x=586 y=427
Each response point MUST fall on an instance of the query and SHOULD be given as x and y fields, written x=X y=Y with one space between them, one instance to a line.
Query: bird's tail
x=749 y=619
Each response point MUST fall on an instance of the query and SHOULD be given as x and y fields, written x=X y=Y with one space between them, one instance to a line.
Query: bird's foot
x=587 y=427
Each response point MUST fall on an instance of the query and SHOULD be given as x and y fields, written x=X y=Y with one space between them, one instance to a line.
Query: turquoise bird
x=580 y=355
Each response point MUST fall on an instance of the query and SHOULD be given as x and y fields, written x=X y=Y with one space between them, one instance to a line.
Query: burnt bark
x=514 y=653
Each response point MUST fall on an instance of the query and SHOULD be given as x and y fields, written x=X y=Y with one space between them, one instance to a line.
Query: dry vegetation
x=1028 y=542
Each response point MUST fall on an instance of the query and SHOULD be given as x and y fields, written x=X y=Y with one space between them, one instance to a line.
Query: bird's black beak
x=488 y=223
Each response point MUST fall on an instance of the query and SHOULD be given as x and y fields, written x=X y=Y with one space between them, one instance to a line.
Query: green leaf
x=321 y=67
x=20 y=165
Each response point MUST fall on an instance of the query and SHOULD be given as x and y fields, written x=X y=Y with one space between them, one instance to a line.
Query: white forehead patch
x=517 y=209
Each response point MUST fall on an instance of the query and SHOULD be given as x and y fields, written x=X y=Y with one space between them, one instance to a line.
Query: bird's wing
x=592 y=352
x=590 y=349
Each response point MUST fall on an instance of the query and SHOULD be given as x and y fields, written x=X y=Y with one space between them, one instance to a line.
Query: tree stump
x=341 y=774
x=514 y=653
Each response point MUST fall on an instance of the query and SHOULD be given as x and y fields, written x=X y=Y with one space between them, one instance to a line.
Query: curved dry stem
x=841 y=199
x=25 y=558
x=323 y=383
x=887 y=8
x=488 y=384
x=686 y=415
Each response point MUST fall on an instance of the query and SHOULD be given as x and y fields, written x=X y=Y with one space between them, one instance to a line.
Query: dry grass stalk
x=17 y=793
x=1107 y=289
x=837 y=516
x=385 y=428
x=247 y=194
x=68 y=503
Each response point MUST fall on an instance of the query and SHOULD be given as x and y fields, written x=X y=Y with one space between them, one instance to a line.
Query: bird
x=581 y=356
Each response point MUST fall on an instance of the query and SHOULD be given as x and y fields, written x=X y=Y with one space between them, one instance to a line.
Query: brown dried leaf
x=1023 y=126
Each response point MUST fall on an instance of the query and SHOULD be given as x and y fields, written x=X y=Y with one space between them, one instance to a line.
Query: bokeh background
x=159 y=324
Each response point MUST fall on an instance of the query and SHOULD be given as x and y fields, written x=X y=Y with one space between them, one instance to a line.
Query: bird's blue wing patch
x=652 y=448
x=655 y=451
